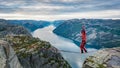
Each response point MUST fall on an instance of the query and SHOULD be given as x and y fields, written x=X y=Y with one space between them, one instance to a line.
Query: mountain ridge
x=100 y=33
x=31 y=25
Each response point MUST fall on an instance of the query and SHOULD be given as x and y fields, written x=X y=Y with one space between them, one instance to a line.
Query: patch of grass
x=90 y=60
x=101 y=66
x=21 y=41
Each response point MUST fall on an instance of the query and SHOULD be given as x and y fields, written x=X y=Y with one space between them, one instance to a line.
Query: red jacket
x=83 y=36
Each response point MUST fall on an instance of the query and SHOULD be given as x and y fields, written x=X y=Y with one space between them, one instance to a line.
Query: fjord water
x=74 y=59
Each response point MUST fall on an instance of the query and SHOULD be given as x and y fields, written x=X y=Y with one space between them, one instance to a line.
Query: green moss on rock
x=28 y=48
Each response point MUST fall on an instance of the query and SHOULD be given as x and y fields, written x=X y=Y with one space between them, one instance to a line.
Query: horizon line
x=57 y=19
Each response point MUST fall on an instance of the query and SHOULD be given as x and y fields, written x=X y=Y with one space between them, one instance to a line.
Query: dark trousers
x=82 y=46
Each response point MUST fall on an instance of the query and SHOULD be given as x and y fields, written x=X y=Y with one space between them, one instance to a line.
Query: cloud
x=60 y=8
x=93 y=14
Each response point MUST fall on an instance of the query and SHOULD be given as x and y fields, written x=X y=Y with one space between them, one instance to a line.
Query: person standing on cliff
x=83 y=36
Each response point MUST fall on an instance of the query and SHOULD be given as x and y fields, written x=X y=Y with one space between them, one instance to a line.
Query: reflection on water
x=74 y=59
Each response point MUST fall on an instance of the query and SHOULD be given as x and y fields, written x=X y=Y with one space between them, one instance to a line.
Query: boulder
x=105 y=58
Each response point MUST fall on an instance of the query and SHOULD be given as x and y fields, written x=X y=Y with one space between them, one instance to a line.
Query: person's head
x=83 y=31
x=83 y=27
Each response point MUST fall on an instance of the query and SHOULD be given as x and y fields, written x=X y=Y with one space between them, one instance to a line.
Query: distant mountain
x=57 y=22
x=100 y=33
x=30 y=24
x=18 y=49
x=9 y=29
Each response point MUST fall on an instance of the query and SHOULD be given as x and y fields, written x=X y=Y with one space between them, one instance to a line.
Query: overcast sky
x=59 y=9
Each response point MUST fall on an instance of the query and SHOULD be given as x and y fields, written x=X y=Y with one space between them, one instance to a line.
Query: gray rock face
x=31 y=56
x=8 y=58
x=35 y=53
x=106 y=58
x=50 y=58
